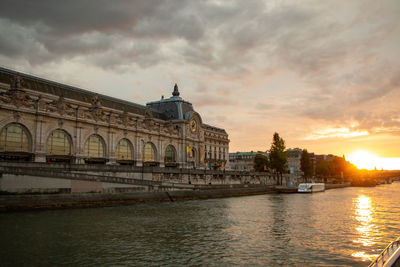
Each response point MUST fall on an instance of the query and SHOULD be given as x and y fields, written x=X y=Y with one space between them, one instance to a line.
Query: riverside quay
x=45 y=121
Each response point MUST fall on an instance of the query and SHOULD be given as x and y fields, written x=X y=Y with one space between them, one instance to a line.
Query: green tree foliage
x=277 y=155
x=260 y=161
x=335 y=168
x=305 y=164
x=324 y=168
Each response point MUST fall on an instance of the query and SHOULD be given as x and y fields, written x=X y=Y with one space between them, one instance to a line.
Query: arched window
x=59 y=143
x=94 y=147
x=170 y=155
x=124 y=150
x=14 y=138
x=149 y=153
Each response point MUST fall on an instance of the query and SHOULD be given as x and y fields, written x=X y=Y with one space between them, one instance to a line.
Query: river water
x=340 y=227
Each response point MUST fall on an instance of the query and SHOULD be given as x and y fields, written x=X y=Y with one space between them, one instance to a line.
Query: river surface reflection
x=341 y=227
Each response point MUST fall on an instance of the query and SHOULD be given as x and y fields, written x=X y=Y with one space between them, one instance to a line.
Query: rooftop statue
x=176 y=91
x=16 y=83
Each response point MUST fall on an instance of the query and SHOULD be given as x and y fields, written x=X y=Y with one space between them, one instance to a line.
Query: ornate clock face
x=193 y=125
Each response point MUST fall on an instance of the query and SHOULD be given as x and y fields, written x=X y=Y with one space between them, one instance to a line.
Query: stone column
x=139 y=149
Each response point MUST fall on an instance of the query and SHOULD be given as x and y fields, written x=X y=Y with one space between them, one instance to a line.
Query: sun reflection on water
x=363 y=214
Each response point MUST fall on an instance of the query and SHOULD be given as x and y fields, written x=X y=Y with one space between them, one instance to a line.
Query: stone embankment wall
x=27 y=186
x=52 y=201
x=77 y=178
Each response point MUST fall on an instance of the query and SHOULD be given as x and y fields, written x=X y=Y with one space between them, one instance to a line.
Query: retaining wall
x=37 y=202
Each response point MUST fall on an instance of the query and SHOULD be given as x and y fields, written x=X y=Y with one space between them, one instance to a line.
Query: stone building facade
x=243 y=161
x=45 y=121
x=294 y=160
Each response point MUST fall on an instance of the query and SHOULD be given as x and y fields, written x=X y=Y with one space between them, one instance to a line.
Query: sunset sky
x=325 y=75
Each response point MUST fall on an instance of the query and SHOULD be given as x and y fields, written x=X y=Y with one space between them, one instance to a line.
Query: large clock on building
x=193 y=125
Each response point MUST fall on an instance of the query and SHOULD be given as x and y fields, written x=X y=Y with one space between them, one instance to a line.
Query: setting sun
x=366 y=160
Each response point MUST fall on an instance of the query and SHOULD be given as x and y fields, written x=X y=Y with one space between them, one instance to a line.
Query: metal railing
x=110 y=178
x=385 y=255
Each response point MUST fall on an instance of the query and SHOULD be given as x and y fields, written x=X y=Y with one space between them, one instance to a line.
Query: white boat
x=311 y=187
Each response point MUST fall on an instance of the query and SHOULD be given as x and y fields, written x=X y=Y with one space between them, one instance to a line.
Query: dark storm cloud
x=337 y=49
x=78 y=16
x=82 y=28
x=142 y=54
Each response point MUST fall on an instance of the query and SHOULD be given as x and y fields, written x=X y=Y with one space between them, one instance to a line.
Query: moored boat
x=311 y=187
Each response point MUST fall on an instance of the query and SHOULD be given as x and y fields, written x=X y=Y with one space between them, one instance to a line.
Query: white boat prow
x=311 y=187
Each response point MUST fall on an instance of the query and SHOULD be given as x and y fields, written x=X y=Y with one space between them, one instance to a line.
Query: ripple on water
x=345 y=227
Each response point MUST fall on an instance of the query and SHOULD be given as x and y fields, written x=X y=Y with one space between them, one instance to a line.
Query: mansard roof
x=215 y=129
x=174 y=108
x=55 y=88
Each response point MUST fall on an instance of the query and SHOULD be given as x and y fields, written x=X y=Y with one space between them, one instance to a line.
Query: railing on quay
x=74 y=174
x=127 y=168
x=388 y=256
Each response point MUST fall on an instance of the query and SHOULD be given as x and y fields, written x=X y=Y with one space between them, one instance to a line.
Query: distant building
x=243 y=161
x=320 y=158
x=294 y=160
x=313 y=162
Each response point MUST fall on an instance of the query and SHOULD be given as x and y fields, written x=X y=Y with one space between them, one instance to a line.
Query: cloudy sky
x=325 y=75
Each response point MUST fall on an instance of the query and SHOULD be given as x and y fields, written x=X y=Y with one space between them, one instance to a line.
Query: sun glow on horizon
x=366 y=160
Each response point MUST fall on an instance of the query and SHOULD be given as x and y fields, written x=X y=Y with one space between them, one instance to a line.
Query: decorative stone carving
x=96 y=101
x=112 y=118
x=96 y=112
x=21 y=99
x=147 y=113
x=80 y=112
x=17 y=96
x=16 y=116
x=16 y=83
x=122 y=119
x=60 y=106
x=150 y=125
x=60 y=123
x=139 y=124
x=170 y=129
x=40 y=104
x=5 y=98
x=131 y=122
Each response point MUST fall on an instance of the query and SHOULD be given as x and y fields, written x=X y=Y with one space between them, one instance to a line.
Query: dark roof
x=215 y=129
x=55 y=88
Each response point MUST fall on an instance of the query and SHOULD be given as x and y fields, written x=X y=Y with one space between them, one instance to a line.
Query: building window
x=59 y=143
x=14 y=138
x=170 y=155
x=193 y=154
x=124 y=150
x=94 y=147
x=149 y=154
